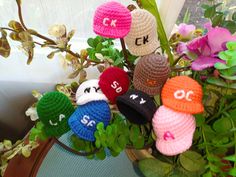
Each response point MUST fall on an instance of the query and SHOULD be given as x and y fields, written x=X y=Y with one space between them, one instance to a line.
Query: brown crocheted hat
x=150 y=74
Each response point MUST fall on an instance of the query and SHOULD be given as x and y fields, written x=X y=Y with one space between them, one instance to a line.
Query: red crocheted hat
x=113 y=83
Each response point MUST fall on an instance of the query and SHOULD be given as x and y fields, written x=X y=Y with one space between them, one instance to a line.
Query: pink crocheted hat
x=174 y=131
x=112 y=20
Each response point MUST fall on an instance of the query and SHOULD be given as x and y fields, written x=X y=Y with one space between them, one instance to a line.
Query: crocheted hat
x=183 y=94
x=54 y=109
x=150 y=74
x=142 y=38
x=89 y=91
x=136 y=106
x=112 y=20
x=113 y=83
x=174 y=131
x=84 y=120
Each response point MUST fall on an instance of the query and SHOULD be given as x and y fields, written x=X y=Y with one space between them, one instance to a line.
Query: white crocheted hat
x=89 y=91
x=142 y=38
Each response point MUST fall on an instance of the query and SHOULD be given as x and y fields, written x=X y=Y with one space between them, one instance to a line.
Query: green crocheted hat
x=54 y=110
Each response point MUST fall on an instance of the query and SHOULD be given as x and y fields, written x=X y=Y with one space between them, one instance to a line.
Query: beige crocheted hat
x=151 y=73
x=142 y=38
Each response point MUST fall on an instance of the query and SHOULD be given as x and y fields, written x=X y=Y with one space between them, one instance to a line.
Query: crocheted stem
x=125 y=53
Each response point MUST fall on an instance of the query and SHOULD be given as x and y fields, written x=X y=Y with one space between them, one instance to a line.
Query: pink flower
x=207 y=47
x=182 y=48
x=186 y=30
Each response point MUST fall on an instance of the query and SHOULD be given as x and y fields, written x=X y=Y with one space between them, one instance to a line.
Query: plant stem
x=20 y=14
x=9 y=29
x=223 y=110
x=125 y=53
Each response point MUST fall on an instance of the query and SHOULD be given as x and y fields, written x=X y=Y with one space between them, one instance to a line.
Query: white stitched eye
x=179 y=94
x=142 y=101
x=52 y=124
x=133 y=96
x=61 y=117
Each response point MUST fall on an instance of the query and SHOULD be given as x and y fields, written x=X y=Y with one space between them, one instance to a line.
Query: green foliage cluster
x=219 y=16
x=228 y=70
x=118 y=135
x=103 y=49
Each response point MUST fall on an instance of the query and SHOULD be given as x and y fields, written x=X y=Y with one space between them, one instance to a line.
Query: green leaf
x=210 y=12
x=221 y=66
x=208 y=174
x=230 y=25
x=200 y=119
x=122 y=141
x=232 y=78
x=231 y=158
x=192 y=161
x=101 y=154
x=154 y=168
x=134 y=133
x=90 y=42
x=231 y=45
x=222 y=125
x=217 y=20
x=217 y=81
x=214 y=168
x=139 y=143
x=232 y=172
x=99 y=47
x=234 y=16
x=100 y=126
x=118 y=61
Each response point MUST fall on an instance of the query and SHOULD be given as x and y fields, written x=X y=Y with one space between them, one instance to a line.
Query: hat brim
x=144 y=50
x=152 y=91
x=185 y=107
x=91 y=97
x=131 y=111
x=172 y=148
x=108 y=33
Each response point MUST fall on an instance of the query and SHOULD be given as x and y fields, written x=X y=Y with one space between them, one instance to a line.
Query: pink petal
x=196 y=44
x=217 y=37
x=181 y=48
x=202 y=63
x=185 y=30
x=208 y=26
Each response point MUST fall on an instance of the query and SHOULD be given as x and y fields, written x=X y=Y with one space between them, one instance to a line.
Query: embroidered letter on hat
x=116 y=87
x=168 y=136
x=145 y=40
x=180 y=94
x=86 y=121
x=108 y=22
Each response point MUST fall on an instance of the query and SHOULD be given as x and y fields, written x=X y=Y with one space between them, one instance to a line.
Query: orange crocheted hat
x=183 y=94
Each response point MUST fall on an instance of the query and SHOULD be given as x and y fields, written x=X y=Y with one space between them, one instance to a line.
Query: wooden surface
x=20 y=166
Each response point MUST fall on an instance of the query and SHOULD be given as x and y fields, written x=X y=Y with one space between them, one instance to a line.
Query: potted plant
x=200 y=65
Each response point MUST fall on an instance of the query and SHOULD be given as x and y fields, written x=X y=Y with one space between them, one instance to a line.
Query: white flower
x=57 y=30
x=32 y=113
